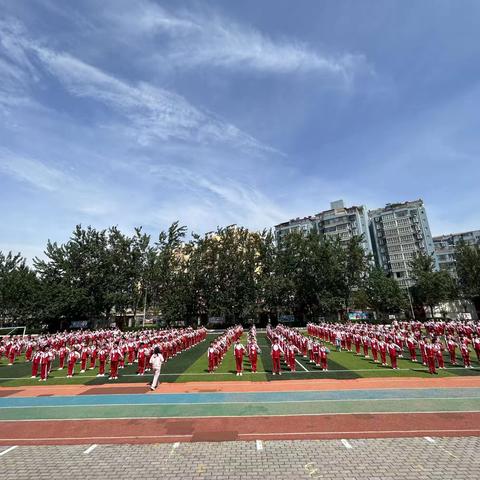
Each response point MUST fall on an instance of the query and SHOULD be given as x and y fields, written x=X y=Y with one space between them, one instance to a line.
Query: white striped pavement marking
x=7 y=450
x=90 y=448
x=346 y=444
x=174 y=447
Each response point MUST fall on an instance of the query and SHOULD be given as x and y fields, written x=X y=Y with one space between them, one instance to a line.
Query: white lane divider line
x=429 y=439
x=259 y=445
x=91 y=448
x=346 y=443
x=302 y=365
x=8 y=450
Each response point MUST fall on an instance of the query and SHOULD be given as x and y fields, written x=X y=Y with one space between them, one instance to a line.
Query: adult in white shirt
x=156 y=361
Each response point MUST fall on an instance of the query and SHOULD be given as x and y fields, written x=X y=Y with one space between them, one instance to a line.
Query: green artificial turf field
x=191 y=366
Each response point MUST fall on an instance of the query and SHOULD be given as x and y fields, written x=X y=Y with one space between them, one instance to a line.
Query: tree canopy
x=234 y=273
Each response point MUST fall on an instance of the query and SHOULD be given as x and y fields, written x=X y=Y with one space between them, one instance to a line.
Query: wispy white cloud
x=239 y=202
x=152 y=112
x=82 y=196
x=209 y=39
x=31 y=171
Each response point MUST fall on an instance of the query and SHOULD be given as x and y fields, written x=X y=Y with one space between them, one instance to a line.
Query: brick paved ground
x=373 y=459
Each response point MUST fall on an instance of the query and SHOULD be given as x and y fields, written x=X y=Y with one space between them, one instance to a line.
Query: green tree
x=430 y=286
x=468 y=271
x=382 y=294
x=19 y=288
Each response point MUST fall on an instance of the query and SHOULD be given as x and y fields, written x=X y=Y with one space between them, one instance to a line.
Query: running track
x=308 y=409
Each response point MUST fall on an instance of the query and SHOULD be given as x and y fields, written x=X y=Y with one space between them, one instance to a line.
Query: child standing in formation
x=238 y=352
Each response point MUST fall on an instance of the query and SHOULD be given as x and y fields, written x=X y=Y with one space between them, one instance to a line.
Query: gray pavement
x=372 y=459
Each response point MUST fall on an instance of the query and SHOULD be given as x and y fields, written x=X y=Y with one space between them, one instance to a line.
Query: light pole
x=144 y=308
x=411 y=303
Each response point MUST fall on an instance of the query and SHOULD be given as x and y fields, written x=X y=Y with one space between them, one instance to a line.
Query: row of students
x=380 y=340
x=113 y=349
x=219 y=347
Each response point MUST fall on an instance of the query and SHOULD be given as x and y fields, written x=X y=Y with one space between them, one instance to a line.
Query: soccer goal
x=4 y=331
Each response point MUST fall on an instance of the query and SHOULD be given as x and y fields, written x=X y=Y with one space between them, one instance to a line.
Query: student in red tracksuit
x=62 y=353
x=276 y=354
x=439 y=348
x=28 y=352
x=211 y=354
x=452 y=346
x=476 y=346
x=37 y=356
x=45 y=361
x=323 y=351
x=253 y=352
x=93 y=356
x=290 y=353
x=411 y=345
x=422 y=345
x=357 y=340
x=374 y=347
x=73 y=357
x=141 y=356
x=430 y=354
x=316 y=353
x=465 y=351
x=382 y=347
x=393 y=348
x=84 y=357
x=13 y=352
x=102 y=358
x=115 y=355
x=239 y=351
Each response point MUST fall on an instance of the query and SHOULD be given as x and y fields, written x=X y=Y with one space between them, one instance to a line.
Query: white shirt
x=156 y=361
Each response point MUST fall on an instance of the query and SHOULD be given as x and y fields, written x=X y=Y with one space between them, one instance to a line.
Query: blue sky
x=141 y=113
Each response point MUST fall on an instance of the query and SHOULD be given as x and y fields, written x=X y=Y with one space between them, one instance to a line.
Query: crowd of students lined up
x=90 y=348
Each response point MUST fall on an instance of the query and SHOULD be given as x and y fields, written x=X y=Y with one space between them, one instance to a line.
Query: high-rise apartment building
x=340 y=221
x=398 y=232
x=445 y=248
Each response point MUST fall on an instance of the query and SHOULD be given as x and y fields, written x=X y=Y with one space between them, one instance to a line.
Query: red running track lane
x=245 y=386
x=163 y=430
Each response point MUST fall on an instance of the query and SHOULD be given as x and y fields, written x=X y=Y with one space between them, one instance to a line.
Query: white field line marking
x=239 y=402
x=7 y=450
x=127 y=437
x=301 y=365
x=285 y=372
x=354 y=432
x=259 y=444
x=90 y=448
x=429 y=439
x=422 y=412
x=346 y=444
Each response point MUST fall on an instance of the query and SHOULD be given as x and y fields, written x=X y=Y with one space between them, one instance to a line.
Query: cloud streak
x=153 y=113
x=211 y=40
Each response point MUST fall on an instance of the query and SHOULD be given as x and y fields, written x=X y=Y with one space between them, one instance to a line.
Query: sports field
x=191 y=366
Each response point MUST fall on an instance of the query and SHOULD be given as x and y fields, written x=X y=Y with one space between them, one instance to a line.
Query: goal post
x=9 y=331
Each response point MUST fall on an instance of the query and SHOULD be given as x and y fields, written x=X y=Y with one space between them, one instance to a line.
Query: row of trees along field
x=232 y=273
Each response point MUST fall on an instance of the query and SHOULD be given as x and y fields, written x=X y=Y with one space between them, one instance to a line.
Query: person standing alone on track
x=156 y=361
